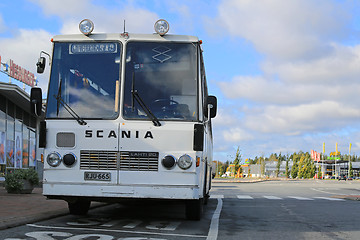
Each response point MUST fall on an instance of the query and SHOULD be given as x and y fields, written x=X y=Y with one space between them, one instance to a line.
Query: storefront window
x=10 y=134
x=25 y=153
x=17 y=137
x=32 y=145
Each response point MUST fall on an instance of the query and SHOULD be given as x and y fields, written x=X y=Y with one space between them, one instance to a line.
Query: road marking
x=301 y=198
x=214 y=225
x=272 y=197
x=331 y=199
x=322 y=191
x=117 y=231
x=216 y=196
x=244 y=197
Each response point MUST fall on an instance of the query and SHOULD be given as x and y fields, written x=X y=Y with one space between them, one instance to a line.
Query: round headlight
x=69 y=159
x=86 y=26
x=168 y=162
x=161 y=27
x=184 y=162
x=54 y=159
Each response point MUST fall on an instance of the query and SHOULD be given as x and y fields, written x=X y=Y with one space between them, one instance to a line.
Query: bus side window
x=204 y=90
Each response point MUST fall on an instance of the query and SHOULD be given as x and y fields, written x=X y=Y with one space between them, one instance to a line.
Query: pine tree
x=287 y=172
x=295 y=167
x=237 y=160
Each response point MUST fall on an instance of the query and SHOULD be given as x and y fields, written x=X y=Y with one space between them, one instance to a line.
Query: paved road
x=289 y=210
x=264 y=210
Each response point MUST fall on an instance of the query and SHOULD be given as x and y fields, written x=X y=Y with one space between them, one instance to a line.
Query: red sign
x=315 y=156
x=17 y=72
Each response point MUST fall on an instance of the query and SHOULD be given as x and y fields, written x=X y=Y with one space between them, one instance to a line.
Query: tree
x=295 y=166
x=287 y=172
x=237 y=160
x=262 y=166
x=278 y=164
x=351 y=171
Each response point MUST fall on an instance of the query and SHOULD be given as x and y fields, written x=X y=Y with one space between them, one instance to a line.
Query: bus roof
x=124 y=37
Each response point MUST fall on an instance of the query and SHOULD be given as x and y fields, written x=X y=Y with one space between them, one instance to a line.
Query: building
x=18 y=135
x=338 y=168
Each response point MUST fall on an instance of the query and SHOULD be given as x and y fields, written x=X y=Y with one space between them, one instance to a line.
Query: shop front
x=17 y=130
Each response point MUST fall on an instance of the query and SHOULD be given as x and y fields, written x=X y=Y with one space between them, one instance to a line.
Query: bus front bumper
x=112 y=192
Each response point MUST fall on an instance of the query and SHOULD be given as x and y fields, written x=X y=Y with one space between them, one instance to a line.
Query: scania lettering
x=127 y=116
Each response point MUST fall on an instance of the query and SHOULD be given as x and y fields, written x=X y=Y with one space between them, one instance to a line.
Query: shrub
x=14 y=179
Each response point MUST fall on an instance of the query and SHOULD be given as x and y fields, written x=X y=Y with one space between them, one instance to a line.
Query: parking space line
x=301 y=198
x=214 y=225
x=331 y=199
x=244 y=197
x=272 y=197
x=216 y=196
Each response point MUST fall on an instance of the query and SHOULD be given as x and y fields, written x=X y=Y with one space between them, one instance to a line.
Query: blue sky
x=286 y=72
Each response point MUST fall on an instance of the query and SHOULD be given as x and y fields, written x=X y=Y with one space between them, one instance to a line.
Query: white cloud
x=284 y=29
x=236 y=135
x=105 y=20
x=63 y=8
x=340 y=64
x=24 y=49
x=300 y=119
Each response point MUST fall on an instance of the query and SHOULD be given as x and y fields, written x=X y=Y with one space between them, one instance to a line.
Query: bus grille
x=102 y=160
x=128 y=161
x=139 y=161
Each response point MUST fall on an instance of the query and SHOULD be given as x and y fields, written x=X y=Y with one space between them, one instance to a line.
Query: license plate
x=97 y=176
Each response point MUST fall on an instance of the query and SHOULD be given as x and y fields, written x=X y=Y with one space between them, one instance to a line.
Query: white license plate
x=97 y=176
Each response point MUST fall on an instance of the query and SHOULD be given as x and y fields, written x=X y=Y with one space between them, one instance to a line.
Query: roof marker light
x=86 y=26
x=161 y=27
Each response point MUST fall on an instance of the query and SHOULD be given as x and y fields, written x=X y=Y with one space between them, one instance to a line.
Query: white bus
x=127 y=116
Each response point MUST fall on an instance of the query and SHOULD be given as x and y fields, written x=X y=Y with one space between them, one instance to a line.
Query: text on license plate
x=97 y=176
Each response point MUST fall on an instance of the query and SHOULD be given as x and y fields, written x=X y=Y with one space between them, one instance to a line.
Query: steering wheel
x=164 y=104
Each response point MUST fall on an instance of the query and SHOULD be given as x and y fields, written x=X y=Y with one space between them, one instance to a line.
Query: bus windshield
x=84 y=76
x=164 y=77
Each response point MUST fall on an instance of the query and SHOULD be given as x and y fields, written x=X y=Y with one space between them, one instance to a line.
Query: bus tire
x=79 y=207
x=194 y=209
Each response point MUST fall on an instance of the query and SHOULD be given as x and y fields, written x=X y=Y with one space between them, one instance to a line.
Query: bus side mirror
x=36 y=101
x=41 y=65
x=212 y=105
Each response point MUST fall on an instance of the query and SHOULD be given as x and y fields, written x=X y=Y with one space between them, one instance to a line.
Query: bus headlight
x=69 y=159
x=168 y=161
x=86 y=26
x=161 y=27
x=184 y=162
x=54 y=159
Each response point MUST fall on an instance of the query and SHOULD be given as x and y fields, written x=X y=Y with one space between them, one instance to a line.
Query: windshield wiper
x=67 y=107
x=147 y=110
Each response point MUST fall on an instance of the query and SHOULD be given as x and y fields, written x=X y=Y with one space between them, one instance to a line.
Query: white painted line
x=330 y=199
x=216 y=196
x=214 y=226
x=117 y=231
x=322 y=191
x=272 y=197
x=301 y=198
x=244 y=197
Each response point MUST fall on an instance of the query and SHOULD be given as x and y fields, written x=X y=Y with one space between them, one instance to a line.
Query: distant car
x=332 y=177
x=350 y=178
x=342 y=177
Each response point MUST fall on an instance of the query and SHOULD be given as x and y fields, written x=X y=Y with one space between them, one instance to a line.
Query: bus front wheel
x=194 y=209
x=79 y=207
